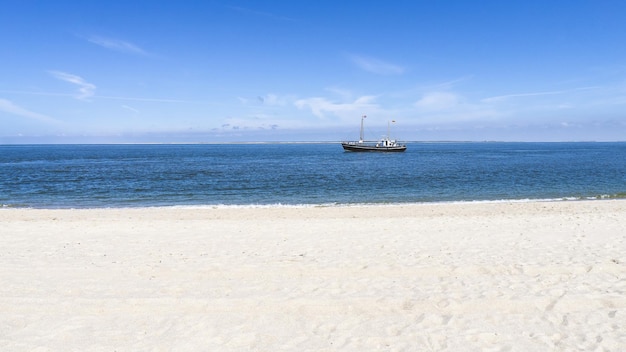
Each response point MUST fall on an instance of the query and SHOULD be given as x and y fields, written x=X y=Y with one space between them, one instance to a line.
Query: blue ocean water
x=95 y=176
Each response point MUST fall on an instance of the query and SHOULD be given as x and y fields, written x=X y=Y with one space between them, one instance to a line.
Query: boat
x=385 y=144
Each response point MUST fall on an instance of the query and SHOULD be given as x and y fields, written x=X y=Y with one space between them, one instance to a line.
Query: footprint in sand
x=550 y=306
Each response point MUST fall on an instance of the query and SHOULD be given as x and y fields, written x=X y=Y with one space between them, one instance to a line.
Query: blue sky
x=220 y=71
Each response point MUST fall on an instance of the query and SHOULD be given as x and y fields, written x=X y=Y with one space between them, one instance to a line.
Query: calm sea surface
x=94 y=176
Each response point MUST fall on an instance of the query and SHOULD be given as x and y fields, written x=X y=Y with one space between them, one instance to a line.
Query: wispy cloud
x=8 y=107
x=341 y=92
x=155 y=100
x=453 y=83
x=437 y=101
x=130 y=108
x=520 y=95
x=85 y=89
x=322 y=106
x=445 y=107
x=36 y=93
x=376 y=66
x=533 y=94
x=117 y=45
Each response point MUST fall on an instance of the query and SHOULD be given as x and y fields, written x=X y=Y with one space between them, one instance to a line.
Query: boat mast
x=361 y=135
x=388 y=137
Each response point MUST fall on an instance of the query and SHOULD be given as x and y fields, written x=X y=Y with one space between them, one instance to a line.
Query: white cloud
x=10 y=108
x=272 y=99
x=376 y=66
x=117 y=45
x=85 y=89
x=321 y=106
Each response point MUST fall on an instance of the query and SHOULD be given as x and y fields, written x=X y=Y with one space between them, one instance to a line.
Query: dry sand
x=536 y=276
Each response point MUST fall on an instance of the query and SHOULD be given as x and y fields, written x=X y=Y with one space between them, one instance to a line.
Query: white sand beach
x=530 y=276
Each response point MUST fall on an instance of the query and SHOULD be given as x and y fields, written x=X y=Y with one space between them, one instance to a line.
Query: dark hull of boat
x=353 y=147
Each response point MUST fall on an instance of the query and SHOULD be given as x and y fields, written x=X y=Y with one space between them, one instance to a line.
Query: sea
x=305 y=174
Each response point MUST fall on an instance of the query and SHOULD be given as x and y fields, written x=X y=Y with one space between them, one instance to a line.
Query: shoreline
x=250 y=214
x=617 y=197
x=466 y=276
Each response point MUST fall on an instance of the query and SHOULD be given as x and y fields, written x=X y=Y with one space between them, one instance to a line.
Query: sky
x=124 y=71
